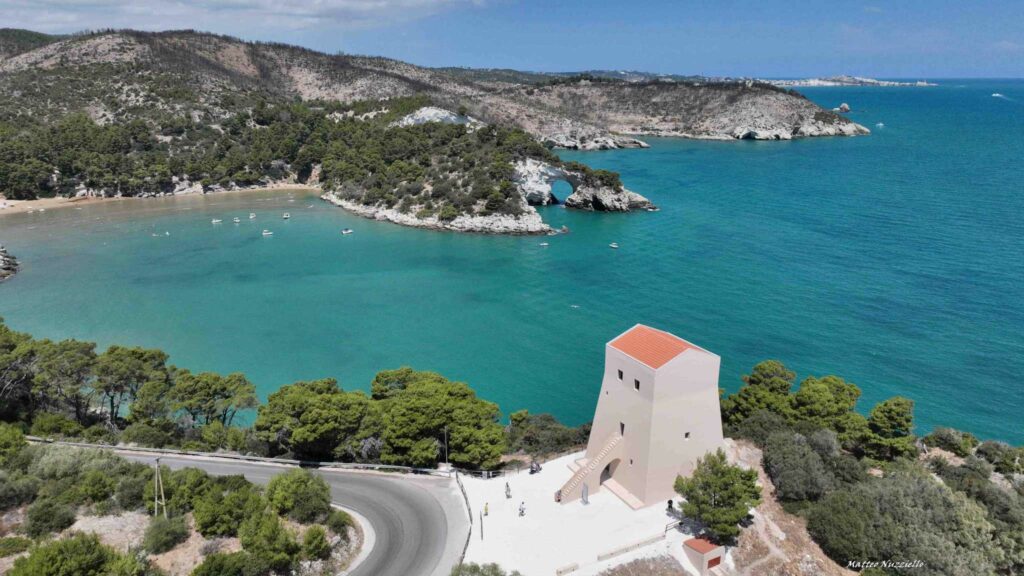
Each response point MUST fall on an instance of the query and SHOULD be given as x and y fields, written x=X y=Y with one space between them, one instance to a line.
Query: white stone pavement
x=551 y=535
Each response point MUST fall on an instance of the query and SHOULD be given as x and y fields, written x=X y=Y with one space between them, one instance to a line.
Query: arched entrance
x=609 y=470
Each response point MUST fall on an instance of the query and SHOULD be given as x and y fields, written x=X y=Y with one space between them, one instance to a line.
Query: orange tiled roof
x=701 y=545
x=650 y=346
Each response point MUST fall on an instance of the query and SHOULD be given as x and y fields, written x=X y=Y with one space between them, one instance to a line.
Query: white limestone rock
x=435 y=114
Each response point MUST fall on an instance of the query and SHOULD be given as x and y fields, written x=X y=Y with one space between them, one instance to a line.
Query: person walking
x=508 y=491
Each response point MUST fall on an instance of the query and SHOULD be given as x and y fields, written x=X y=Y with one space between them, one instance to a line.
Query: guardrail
x=469 y=510
x=248 y=458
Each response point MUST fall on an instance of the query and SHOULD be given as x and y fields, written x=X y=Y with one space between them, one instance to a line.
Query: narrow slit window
x=620 y=374
x=636 y=384
x=622 y=428
x=686 y=436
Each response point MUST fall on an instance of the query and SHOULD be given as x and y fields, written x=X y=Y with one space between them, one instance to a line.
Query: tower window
x=630 y=461
x=686 y=436
x=636 y=384
x=620 y=374
x=622 y=428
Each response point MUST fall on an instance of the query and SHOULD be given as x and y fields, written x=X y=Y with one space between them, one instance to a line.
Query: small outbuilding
x=704 y=554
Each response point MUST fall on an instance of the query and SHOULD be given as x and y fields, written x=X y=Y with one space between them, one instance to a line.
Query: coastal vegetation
x=719 y=495
x=865 y=490
x=60 y=485
x=133 y=396
x=959 y=510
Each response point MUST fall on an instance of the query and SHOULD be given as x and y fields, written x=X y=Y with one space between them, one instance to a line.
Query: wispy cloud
x=1008 y=47
x=217 y=15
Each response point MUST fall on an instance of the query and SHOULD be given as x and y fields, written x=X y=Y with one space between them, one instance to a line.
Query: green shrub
x=12 y=545
x=47 y=516
x=796 y=470
x=48 y=425
x=314 y=543
x=264 y=536
x=955 y=441
x=11 y=442
x=542 y=434
x=339 y=521
x=146 y=434
x=234 y=564
x=99 y=434
x=759 y=425
x=96 y=486
x=17 y=489
x=130 y=493
x=1005 y=458
x=164 y=534
x=302 y=495
x=79 y=555
x=220 y=514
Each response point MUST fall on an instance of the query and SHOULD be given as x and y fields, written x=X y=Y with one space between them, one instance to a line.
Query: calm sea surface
x=894 y=260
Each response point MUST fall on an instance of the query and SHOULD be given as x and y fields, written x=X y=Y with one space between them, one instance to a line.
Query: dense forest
x=432 y=168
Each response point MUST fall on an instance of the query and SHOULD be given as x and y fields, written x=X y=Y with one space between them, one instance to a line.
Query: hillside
x=127 y=74
x=126 y=113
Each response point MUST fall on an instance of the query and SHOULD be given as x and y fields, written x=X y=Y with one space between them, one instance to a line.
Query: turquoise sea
x=895 y=260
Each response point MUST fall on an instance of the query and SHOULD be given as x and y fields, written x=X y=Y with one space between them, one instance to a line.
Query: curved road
x=419 y=522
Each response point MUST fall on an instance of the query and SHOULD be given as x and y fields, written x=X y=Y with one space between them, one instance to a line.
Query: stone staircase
x=573 y=488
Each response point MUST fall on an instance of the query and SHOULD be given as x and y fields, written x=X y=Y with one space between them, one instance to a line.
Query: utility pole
x=158 y=491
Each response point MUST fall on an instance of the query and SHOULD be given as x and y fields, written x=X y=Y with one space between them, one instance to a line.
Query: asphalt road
x=419 y=522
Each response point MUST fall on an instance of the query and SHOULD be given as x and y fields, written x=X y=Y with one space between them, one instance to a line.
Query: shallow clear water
x=895 y=260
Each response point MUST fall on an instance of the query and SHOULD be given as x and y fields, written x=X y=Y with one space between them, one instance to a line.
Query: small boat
x=252 y=215
x=155 y=235
x=237 y=220
x=346 y=231
x=880 y=125
x=614 y=245
x=286 y=216
x=545 y=244
x=216 y=221
x=997 y=95
x=167 y=233
x=268 y=233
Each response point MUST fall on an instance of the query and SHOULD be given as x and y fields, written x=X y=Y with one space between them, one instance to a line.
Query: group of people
x=508 y=495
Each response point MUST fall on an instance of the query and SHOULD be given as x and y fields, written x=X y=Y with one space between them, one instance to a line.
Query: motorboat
x=268 y=233
x=237 y=220
x=216 y=221
x=545 y=244
x=614 y=245
x=286 y=216
x=252 y=215
x=346 y=231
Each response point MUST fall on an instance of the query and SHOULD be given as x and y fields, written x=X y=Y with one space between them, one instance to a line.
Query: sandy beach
x=21 y=206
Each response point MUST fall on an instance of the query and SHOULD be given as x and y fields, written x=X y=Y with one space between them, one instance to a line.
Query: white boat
x=286 y=216
x=252 y=215
x=346 y=231
x=237 y=220
x=216 y=221
x=998 y=95
x=268 y=233
x=545 y=244
x=880 y=125
x=613 y=245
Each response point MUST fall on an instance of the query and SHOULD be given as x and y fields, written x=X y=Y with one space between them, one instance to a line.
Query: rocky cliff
x=8 y=264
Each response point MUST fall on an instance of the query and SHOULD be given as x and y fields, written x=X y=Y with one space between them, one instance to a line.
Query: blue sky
x=776 y=38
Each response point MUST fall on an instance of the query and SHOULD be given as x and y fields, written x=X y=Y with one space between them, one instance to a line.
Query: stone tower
x=657 y=413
